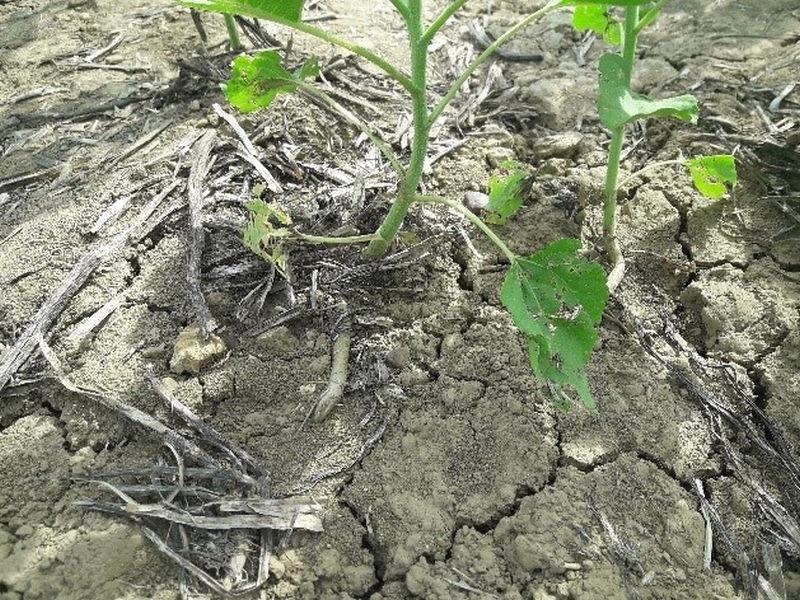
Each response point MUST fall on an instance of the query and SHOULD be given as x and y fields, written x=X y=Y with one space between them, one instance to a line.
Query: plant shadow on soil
x=478 y=481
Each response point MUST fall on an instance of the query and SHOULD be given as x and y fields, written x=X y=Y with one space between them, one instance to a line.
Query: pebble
x=398 y=356
x=23 y=531
x=308 y=389
x=476 y=201
x=192 y=353
x=276 y=567
x=562 y=145
x=451 y=342
x=498 y=155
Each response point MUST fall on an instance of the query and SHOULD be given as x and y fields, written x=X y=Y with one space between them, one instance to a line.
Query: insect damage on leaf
x=556 y=299
x=713 y=176
x=618 y=105
x=286 y=10
x=269 y=226
x=596 y=17
x=506 y=192
x=257 y=80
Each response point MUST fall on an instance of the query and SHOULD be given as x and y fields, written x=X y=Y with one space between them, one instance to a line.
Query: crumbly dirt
x=478 y=485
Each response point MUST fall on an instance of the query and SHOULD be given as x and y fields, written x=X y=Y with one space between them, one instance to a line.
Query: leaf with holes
x=618 y=105
x=506 y=192
x=713 y=176
x=269 y=226
x=257 y=80
x=273 y=10
x=556 y=298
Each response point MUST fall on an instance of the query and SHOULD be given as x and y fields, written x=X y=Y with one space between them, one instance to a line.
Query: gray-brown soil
x=478 y=486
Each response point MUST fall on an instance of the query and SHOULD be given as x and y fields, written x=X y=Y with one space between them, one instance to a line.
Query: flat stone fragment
x=561 y=145
x=192 y=352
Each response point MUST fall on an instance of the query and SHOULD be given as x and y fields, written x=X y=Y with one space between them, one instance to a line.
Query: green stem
x=441 y=20
x=321 y=239
x=401 y=7
x=629 y=43
x=355 y=121
x=610 y=209
x=233 y=34
x=614 y=154
x=419 y=148
x=475 y=220
x=381 y=63
x=551 y=6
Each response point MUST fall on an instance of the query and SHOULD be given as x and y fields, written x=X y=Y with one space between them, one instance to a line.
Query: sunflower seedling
x=555 y=297
x=618 y=105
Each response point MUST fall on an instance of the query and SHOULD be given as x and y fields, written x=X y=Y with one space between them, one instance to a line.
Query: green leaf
x=256 y=80
x=713 y=176
x=651 y=15
x=557 y=298
x=309 y=70
x=618 y=105
x=596 y=17
x=280 y=10
x=268 y=228
x=506 y=193
x=607 y=2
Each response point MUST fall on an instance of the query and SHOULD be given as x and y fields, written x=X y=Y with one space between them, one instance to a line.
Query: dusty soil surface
x=447 y=471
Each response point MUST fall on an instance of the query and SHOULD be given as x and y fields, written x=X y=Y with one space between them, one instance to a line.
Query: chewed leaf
x=256 y=80
x=713 y=176
x=618 y=105
x=309 y=70
x=286 y=10
x=268 y=227
x=557 y=298
x=595 y=17
x=506 y=193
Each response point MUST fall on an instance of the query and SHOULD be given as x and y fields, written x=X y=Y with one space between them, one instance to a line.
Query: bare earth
x=447 y=472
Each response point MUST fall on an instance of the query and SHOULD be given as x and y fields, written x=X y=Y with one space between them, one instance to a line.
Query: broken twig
x=201 y=163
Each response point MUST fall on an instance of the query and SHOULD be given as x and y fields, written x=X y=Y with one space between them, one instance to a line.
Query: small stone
x=413 y=376
x=476 y=201
x=170 y=385
x=398 y=356
x=24 y=531
x=542 y=594
x=562 y=99
x=556 y=167
x=498 y=155
x=192 y=352
x=451 y=342
x=562 y=145
x=194 y=105
x=82 y=456
x=152 y=352
x=276 y=567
